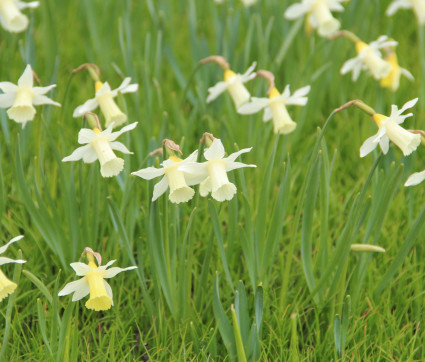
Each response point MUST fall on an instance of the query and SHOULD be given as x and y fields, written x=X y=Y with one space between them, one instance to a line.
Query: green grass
x=268 y=275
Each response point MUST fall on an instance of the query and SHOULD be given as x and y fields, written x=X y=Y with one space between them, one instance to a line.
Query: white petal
x=125 y=87
x=40 y=99
x=78 y=154
x=235 y=165
x=235 y=155
x=415 y=178
x=110 y=273
x=4 y=260
x=205 y=187
x=118 y=146
x=81 y=269
x=127 y=128
x=368 y=146
x=254 y=106
x=216 y=90
x=77 y=286
x=88 y=106
x=215 y=151
x=248 y=75
x=349 y=65
x=109 y=291
x=8 y=87
x=407 y=74
x=267 y=116
x=14 y=240
x=90 y=156
x=295 y=11
x=408 y=105
x=43 y=90
x=384 y=143
x=24 y=5
x=298 y=98
x=379 y=134
x=149 y=173
x=397 y=4
x=160 y=188
x=26 y=78
x=86 y=135
x=105 y=88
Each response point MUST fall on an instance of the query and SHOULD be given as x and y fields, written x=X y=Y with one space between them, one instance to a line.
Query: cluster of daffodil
x=211 y=175
x=386 y=68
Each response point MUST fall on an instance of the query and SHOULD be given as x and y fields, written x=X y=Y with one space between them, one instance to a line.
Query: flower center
x=379 y=119
x=360 y=46
x=229 y=74
x=274 y=93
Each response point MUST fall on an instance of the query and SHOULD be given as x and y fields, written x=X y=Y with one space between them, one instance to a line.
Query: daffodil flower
x=11 y=17
x=389 y=129
x=100 y=145
x=105 y=99
x=177 y=180
x=93 y=282
x=417 y=5
x=7 y=286
x=275 y=107
x=318 y=14
x=369 y=57
x=213 y=172
x=21 y=98
x=392 y=80
x=234 y=84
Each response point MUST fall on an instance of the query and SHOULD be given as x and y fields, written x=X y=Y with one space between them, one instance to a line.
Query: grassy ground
x=269 y=274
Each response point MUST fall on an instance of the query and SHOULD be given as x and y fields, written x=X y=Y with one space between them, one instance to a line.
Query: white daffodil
x=177 y=180
x=100 y=145
x=234 y=84
x=392 y=80
x=213 y=172
x=105 y=99
x=415 y=178
x=7 y=286
x=318 y=14
x=369 y=57
x=93 y=282
x=21 y=98
x=417 y=5
x=11 y=17
x=389 y=129
x=275 y=107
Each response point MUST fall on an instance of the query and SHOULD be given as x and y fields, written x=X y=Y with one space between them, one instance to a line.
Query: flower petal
x=77 y=286
x=235 y=165
x=368 y=146
x=160 y=188
x=215 y=151
x=216 y=90
x=40 y=99
x=397 y=4
x=149 y=173
x=127 y=128
x=110 y=273
x=408 y=105
x=295 y=11
x=267 y=116
x=14 y=240
x=81 y=269
x=43 y=90
x=415 y=178
x=4 y=260
x=384 y=143
x=235 y=155
x=86 y=135
x=88 y=106
x=26 y=79
x=78 y=154
x=24 y=5
x=118 y=146
x=8 y=87
x=109 y=291
x=256 y=104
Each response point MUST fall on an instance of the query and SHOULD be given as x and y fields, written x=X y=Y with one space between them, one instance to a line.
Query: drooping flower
x=105 y=99
x=275 y=107
x=11 y=17
x=389 y=129
x=21 y=98
x=93 y=281
x=213 y=172
x=177 y=180
x=100 y=145
x=7 y=286
x=392 y=80
x=417 y=5
x=318 y=14
x=369 y=58
x=233 y=83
